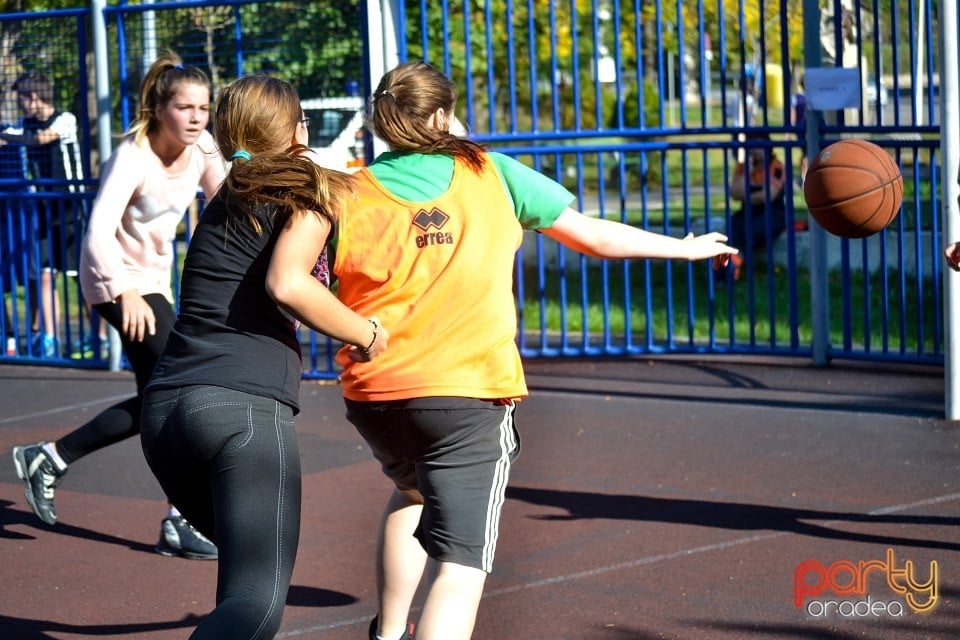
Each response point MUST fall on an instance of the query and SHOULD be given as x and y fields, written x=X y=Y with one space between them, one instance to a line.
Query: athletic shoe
x=44 y=345
x=41 y=477
x=85 y=349
x=179 y=538
x=407 y=635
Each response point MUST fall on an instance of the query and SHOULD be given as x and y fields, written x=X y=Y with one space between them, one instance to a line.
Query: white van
x=336 y=131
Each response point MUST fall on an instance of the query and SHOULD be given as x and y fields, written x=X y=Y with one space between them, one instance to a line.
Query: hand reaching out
x=710 y=245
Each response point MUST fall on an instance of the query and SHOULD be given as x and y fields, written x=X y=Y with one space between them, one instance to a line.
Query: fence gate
x=643 y=110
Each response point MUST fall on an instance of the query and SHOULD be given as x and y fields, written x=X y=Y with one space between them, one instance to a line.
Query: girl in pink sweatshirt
x=126 y=266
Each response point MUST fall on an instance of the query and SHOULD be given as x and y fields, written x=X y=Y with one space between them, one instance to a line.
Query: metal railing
x=642 y=116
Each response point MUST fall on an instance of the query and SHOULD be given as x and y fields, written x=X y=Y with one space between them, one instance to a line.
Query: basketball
x=853 y=188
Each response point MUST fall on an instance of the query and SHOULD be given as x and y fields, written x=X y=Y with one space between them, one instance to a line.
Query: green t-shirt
x=537 y=200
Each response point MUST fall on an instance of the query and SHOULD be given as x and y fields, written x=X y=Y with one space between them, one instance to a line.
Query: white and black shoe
x=41 y=476
x=375 y=623
x=179 y=538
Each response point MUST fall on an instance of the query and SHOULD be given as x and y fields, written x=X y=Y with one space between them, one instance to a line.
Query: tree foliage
x=504 y=52
x=316 y=46
x=17 y=6
x=44 y=44
x=530 y=64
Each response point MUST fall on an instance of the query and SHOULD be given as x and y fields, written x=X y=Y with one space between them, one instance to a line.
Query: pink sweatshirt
x=129 y=240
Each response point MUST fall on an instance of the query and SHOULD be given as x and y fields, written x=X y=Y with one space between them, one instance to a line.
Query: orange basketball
x=853 y=188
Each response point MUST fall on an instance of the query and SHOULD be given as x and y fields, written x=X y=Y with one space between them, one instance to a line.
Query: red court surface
x=668 y=498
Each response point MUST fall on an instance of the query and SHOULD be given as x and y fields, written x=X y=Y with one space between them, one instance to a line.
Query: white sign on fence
x=832 y=88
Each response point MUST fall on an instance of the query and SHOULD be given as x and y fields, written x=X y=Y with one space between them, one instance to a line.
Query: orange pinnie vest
x=439 y=276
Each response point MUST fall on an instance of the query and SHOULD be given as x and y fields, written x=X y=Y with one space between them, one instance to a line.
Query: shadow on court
x=653 y=498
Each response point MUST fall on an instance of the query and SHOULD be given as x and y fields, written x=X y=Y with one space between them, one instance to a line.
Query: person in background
x=11 y=270
x=12 y=253
x=218 y=428
x=52 y=153
x=428 y=245
x=126 y=268
x=758 y=185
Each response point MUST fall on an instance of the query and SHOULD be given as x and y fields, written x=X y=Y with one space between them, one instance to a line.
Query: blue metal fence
x=42 y=217
x=642 y=111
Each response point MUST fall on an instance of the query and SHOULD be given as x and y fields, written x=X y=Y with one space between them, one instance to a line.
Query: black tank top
x=229 y=332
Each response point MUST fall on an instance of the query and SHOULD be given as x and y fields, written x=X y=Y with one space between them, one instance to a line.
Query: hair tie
x=386 y=92
x=178 y=67
x=241 y=154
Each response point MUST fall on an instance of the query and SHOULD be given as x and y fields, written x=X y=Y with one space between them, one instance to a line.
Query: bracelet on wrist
x=376 y=333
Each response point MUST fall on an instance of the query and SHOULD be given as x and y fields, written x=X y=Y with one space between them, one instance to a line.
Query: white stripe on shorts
x=498 y=489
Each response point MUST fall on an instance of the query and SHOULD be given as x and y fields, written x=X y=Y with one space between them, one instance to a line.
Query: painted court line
x=69 y=407
x=646 y=560
x=706 y=548
x=292 y=633
x=923 y=503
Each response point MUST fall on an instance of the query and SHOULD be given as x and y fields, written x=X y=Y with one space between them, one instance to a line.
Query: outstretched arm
x=601 y=238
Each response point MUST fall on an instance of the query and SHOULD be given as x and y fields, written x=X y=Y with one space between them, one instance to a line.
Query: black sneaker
x=179 y=538
x=407 y=635
x=40 y=476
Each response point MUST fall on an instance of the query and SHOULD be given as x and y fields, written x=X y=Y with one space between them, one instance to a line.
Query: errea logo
x=433 y=219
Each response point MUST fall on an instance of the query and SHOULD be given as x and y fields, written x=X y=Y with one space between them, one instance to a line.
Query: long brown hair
x=161 y=83
x=406 y=98
x=254 y=123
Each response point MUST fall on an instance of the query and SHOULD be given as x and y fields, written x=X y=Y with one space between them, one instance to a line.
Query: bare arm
x=601 y=238
x=290 y=284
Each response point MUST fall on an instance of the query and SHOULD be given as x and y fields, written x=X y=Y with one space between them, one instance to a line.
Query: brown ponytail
x=401 y=108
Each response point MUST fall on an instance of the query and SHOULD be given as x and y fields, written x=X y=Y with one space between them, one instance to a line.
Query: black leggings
x=229 y=461
x=122 y=420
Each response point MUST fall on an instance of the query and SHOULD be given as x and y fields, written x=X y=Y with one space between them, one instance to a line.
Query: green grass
x=684 y=310
x=671 y=302
x=743 y=315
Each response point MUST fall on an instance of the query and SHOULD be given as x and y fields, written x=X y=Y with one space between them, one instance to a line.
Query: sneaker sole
x=21 y=464
x=166 y=550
